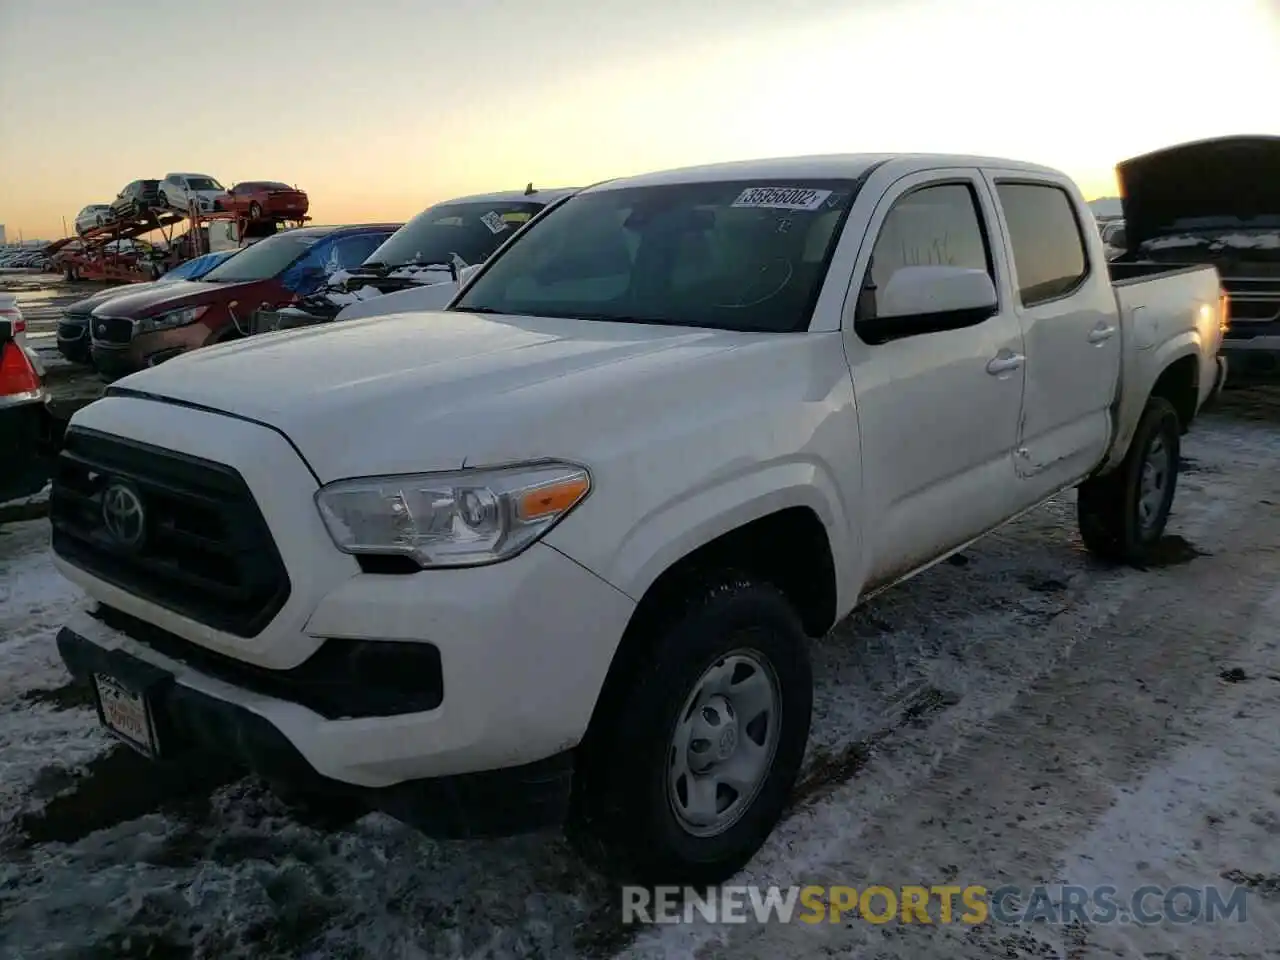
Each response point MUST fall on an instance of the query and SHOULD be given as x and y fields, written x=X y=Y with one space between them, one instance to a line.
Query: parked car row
x=554 y=554
x=24 y=258
x=73 y=328
x=299 y=277
x=180 y=192
x=145 y=326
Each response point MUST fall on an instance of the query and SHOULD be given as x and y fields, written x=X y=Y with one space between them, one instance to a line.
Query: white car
x=454 y=236
x=179 y=190
x=1113 y=237
x=94 y=215
x=556 y=553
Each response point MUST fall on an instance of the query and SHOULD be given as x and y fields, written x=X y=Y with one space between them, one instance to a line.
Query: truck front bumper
x=523 y=648
x=1253 y=357
x=185 y=717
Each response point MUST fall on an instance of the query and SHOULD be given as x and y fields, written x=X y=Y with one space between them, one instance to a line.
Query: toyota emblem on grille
x=102 y=328
x=123 y=515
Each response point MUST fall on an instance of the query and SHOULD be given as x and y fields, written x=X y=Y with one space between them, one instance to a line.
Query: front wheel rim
x=1157 y=471
x=723 y=743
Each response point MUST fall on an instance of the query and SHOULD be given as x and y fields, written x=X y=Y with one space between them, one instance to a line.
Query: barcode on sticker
x=782 y=198
x=493 y=220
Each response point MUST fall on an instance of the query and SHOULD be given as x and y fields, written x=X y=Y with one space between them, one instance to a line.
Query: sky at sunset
x=380 y=107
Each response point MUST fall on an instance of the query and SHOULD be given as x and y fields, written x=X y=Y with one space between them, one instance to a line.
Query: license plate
x=125 y=714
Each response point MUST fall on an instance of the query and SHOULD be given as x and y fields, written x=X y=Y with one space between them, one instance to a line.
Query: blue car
x=73 y=328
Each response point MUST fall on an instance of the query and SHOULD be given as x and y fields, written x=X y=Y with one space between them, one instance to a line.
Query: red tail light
x=17 y=375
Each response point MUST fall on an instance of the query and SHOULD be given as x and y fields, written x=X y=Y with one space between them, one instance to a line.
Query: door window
x=1048 y=245
x=938 y=225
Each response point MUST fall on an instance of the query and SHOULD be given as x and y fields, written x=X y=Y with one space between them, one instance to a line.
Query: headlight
x=452 y=519
x=167 y=321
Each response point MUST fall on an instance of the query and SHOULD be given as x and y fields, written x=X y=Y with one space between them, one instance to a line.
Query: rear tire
x=722 y=696
x=1122 y=514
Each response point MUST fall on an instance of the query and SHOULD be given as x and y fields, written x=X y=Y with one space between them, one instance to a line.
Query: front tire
x=683 y=777
x=255 y=211
x=1122 y=515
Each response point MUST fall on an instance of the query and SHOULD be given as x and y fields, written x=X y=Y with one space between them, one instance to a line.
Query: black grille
x=205 y=552
x=111 y=329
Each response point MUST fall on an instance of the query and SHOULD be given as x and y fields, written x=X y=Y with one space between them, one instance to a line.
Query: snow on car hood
x=438 y=391
x=1231 y=180
x=431 y=296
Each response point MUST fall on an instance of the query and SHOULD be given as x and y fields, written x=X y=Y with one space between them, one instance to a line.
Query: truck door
x=937 y=409
x=1067 y=309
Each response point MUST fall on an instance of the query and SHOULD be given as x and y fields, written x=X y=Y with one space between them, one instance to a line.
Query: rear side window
x=1048 y=245
x=932 y=226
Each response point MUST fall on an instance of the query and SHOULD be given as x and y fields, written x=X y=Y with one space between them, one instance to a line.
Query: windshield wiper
x=487 y=310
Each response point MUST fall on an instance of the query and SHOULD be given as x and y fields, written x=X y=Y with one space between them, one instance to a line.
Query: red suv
x=258 y=199
x=141 y=329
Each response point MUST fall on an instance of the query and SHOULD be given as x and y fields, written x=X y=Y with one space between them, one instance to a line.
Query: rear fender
x=1143 y=366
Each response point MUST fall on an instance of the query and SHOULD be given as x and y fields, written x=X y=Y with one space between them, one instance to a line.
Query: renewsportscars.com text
x=940 y=904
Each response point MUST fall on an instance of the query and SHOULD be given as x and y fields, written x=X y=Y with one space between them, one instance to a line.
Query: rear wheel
x=684 y=776
x=1122 y=515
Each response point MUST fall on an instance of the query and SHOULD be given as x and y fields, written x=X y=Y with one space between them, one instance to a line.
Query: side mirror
x=930 y=299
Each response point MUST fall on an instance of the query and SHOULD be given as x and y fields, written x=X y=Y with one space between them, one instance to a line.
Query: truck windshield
x=730 y=255
x=265 y=259
x=203 y=183
x=471 y=230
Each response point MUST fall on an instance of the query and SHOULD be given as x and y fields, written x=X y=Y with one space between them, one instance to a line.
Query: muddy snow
x=1018 y=715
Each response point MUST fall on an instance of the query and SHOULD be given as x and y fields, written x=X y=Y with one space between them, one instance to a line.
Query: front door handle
x=1101 y=333
x=1005 y=363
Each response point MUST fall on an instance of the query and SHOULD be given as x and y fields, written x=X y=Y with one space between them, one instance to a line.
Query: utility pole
x=64 y=227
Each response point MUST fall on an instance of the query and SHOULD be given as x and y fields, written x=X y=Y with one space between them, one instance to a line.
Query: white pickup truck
x=553 y=555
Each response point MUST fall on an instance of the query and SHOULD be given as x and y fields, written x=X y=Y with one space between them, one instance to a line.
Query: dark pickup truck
x=1215 y=202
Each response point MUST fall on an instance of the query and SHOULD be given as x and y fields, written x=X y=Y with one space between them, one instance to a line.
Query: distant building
x=2 y=239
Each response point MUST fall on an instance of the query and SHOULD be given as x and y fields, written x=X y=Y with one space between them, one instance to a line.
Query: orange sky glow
x=382 y=108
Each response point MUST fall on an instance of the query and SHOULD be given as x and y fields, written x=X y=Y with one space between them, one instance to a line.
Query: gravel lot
x=1017 y=715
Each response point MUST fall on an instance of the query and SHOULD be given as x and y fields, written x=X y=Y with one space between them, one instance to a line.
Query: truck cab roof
x=849 y=166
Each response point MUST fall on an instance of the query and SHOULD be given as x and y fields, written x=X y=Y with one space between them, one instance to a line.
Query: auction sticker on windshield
x=493 y=220
x=782 y=198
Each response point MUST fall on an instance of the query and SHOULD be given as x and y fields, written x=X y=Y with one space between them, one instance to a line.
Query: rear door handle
x=1004 y=364
x=1101 y=333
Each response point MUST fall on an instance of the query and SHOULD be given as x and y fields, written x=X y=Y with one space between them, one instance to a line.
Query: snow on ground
x=104 y=855
x=1217 y=242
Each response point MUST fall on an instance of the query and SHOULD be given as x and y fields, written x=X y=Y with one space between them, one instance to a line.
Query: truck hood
x=1232 y=180
x=421 y=392
x=163 y=297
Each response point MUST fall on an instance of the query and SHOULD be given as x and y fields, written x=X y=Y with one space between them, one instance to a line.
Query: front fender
x=659 y=538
